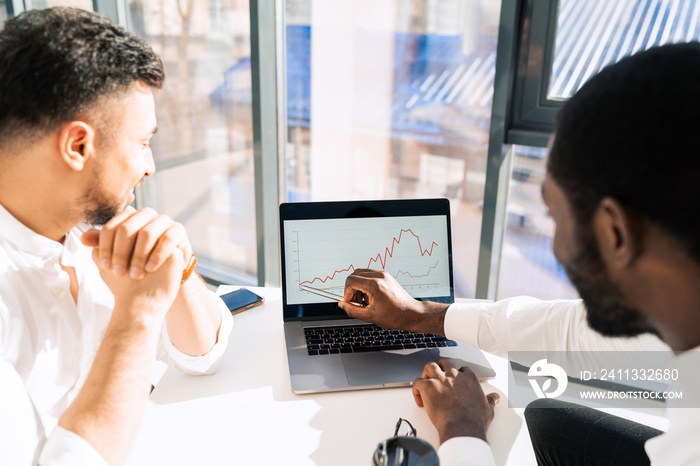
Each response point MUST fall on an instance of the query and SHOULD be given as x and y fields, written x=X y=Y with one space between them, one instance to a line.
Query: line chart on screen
x=322 y=253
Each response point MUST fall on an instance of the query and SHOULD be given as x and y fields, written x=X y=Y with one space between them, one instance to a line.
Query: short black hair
x=56 y=62
x=632 y=133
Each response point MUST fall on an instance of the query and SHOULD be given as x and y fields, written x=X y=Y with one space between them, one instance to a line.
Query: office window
x=84 y=4
x=388 y=99
x=596 y=33
x=528 y=266
x=10 y=8
x=589 y=36
x=393 y=100
x=203 y=148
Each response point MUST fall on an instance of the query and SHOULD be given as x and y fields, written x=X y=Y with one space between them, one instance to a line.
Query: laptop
x=324 y=242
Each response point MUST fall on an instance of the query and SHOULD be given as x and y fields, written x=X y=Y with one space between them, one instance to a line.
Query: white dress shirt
x=48 y=343
x=529 y=324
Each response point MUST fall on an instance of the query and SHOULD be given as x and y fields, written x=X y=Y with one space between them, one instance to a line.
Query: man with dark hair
x=84 y=312
x=622 y=188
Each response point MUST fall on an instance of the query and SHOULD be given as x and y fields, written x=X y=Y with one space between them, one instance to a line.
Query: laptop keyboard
x=365 y=338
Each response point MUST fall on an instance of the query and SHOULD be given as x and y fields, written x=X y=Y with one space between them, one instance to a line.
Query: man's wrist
x=138 y=316
x=431 y=318
x=461 y=429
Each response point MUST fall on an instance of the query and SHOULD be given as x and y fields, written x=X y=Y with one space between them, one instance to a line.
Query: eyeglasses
x=411 y=432
x=405 y=450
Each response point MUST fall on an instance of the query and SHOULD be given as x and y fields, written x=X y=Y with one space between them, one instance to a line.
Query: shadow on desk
x=377 y=411
x=255 y=358
x=247 y=414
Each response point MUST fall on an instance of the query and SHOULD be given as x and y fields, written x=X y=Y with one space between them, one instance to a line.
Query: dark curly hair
x=56 y=62
x=631 y=133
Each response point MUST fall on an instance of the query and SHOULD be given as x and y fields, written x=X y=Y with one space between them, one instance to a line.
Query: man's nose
x=151 y=166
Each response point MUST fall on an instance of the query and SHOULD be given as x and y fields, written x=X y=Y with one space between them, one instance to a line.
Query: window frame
x=533 y=112
x=521 y=114
x=14 y=7
x=269 y=122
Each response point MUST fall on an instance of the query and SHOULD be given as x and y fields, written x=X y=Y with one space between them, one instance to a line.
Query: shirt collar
x=27 y=240
x=73 y=248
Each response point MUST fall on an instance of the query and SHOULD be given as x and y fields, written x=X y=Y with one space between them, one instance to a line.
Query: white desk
x=246 y=414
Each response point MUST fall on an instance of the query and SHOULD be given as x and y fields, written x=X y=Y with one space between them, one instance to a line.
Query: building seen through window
x=203 y=148
x=35 y=4
x=590 y=35
x=384 y=99
x=596 y=33
x=393 y=100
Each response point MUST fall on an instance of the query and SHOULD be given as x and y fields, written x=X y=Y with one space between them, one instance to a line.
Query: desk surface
x=246 y=413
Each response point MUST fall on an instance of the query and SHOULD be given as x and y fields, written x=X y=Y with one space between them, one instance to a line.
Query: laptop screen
x=324 y=242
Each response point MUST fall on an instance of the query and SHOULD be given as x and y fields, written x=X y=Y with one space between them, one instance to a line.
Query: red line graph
x=378 y=258
x=395 y=276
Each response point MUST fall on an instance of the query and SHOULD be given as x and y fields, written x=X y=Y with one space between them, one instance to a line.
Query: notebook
x=324 y=242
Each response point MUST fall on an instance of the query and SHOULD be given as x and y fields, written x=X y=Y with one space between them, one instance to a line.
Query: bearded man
x=83 y=311
x=622 y=188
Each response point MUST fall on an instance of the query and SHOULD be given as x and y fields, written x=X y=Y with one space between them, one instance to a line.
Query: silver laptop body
x=321 y=244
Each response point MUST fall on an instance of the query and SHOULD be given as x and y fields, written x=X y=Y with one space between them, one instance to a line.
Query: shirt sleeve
x=529 y=324
x=22 y=433
x=64 y=447
x=465 y=451
x=679 y=444
x=198 y=365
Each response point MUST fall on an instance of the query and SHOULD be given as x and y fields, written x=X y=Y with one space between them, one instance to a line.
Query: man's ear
x=76 y=144
x=618 y=232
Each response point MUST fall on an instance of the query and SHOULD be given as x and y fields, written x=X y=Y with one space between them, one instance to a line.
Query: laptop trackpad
x=376 y=369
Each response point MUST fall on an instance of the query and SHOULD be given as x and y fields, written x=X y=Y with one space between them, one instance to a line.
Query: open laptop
x=321 y=244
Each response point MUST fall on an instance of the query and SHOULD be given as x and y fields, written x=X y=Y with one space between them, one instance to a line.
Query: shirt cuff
x=462 y=323
x=64 y=447
x=465 y=451
x=208 y=363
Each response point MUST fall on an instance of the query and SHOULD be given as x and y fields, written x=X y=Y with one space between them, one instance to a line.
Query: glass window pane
x=84 y=4
x=203 y=148
x=392 y=99
x=528 y=266
x=594 y=33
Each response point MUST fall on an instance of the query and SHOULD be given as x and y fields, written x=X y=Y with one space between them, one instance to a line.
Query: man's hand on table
x=454 y=401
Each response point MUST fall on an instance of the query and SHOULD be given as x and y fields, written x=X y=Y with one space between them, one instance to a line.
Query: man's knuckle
x=126 y=230
x=108 y=230
x=167 y=241
x=166 y=219
x=147 y=236
x=156 y=257
x=138 y=259
x=119 y=257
